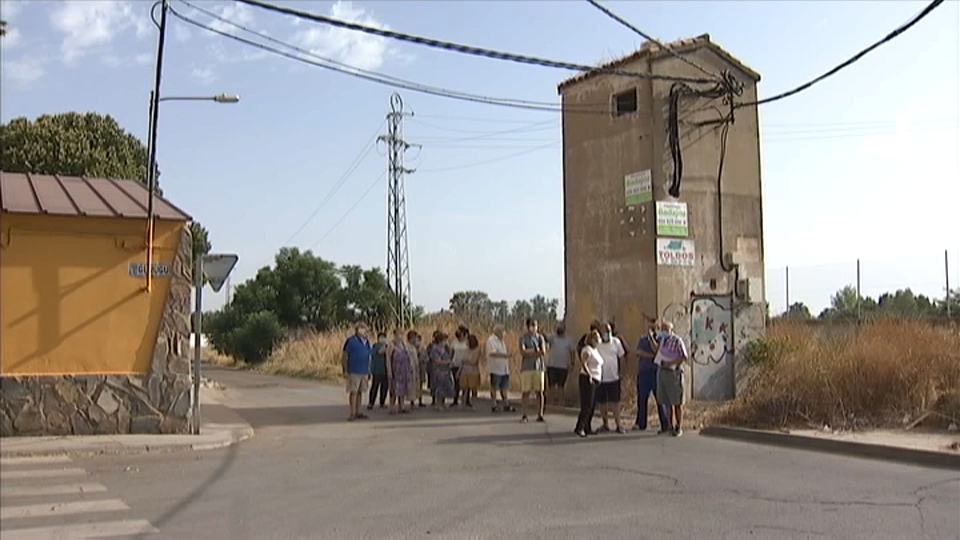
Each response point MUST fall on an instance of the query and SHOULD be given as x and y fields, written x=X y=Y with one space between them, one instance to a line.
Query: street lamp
x=219 y=98
x=152 y=158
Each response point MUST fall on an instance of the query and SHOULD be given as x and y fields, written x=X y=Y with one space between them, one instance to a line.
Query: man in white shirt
x=498 y=365
x=608 y=393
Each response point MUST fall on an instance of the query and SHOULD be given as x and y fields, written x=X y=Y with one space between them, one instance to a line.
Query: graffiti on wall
x=711 y=348
x=711 y=330
x=677 y=314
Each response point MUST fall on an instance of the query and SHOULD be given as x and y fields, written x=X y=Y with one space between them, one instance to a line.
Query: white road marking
x=33 y=460
x=40 y=473
x=43 y=491
x=59 y=509
x=105 y=529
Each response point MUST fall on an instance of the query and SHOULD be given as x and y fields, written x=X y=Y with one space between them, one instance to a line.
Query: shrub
x=254 y=340
x=250 y=338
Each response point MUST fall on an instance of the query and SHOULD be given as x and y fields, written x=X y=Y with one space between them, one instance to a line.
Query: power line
x=372 y=76
x=349 y=210
x=526 y=126
x=648 y=37
x=488 y=161
x=464 y=49
x=810 y=136
x=364 y=152
x=492 y=134
x=889 y=37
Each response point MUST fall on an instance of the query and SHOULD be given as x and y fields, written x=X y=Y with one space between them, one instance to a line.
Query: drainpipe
x=152 y=143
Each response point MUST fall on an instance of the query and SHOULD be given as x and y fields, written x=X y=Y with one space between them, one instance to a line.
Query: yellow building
x=86 y=347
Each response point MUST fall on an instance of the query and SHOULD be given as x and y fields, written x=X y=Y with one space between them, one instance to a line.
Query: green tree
x=798 y=311
x=843 y=305
x=365 y=296
x=201 y=240
x=72 y=144
x=471 y=305
x=80 y=144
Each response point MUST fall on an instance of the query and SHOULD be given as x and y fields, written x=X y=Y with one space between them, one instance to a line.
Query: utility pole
x=398 y=254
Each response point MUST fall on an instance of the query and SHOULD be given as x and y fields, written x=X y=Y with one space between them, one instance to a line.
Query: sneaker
x=620 y=430
x=678 y=432
x=541 y=419
x=581 y=433
x=603 y=429
x=524 y=419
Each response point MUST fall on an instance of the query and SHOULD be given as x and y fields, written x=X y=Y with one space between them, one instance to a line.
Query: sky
x=865 y=165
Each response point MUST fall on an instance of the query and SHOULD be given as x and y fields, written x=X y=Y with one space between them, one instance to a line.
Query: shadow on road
x=197 y=493
x=305 y=415
x=546 y=438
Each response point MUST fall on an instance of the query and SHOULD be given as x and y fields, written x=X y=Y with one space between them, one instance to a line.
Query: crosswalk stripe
x=60 y=509
x=33 y=460
x=92 y=530
x=61 y=489
x=41 y=473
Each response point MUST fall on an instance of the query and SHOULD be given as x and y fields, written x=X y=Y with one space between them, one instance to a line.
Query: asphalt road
x=309 y=474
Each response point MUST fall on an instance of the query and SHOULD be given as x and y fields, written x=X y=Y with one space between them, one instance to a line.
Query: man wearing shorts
x=533 y=347
x=670 y=357
x=356 y=368
x=561 y=358
x=608 y=393
x=498 y=364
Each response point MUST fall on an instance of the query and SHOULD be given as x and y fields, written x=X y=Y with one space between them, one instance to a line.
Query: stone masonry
x=156 y=402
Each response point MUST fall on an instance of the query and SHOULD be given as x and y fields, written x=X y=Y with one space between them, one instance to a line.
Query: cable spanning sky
x=289 y=162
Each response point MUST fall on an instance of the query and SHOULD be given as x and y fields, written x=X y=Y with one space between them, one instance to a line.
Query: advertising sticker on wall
x=672 y=218
x=675 y=252
x=638 y=188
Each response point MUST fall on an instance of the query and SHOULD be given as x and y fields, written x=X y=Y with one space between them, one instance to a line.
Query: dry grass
x=882 y=374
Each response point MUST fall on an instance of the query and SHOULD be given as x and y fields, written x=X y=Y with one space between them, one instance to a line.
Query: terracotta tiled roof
x=22 y=193
x=652 y=49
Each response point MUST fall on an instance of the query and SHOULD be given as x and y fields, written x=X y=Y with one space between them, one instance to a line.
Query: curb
x=230 y=433
x=925 y=458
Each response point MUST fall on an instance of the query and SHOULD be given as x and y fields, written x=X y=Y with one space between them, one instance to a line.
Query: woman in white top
x=591 y=364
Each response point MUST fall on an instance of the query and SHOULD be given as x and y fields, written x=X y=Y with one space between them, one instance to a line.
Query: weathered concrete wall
x=159 y=401
x=611 y=265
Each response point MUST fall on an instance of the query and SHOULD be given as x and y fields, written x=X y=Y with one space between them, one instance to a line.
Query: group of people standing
x=450 y=369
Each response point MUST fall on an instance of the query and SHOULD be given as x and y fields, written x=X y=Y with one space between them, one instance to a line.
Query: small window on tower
x=625 y=102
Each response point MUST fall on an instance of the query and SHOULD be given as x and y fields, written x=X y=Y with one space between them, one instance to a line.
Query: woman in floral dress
x=414 y=385
x=440 y=355
x=400 y=373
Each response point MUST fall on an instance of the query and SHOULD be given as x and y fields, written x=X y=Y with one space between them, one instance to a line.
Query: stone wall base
x=95 y=405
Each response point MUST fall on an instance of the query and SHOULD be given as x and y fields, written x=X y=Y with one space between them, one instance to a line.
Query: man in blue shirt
x=356 y=368
x=647 y=382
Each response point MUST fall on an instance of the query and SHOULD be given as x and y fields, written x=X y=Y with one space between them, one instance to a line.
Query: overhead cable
x=606 y=11
x=372 y=76
x=488 y=161
x=349 y=210
x=463 y=49
x=889 y=37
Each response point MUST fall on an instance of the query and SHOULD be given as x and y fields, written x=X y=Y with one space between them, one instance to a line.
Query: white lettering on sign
x=139 y=269
x=675 y=252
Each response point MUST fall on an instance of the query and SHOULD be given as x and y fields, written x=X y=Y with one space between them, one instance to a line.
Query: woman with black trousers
x=590 y=364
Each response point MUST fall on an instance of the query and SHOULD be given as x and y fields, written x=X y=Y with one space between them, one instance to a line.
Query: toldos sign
x=675 y=252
